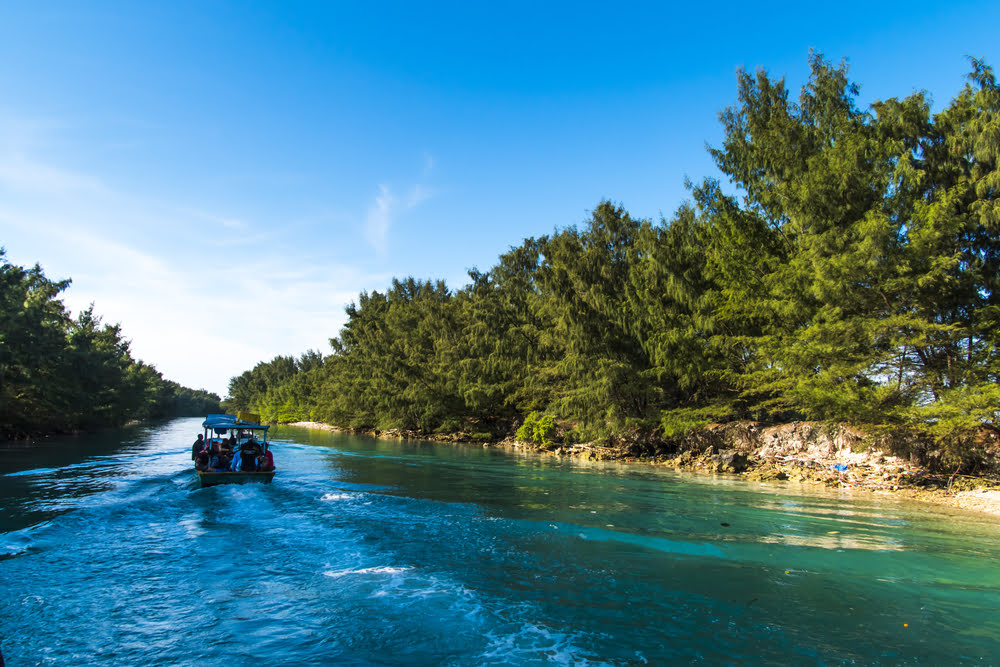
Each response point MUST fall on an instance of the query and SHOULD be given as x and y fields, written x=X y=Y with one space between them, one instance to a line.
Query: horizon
x=187 y=165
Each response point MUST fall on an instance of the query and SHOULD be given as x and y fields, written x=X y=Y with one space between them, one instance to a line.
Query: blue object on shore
x=839 y=466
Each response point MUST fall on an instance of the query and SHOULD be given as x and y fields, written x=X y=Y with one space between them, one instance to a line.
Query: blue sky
x=191 y=163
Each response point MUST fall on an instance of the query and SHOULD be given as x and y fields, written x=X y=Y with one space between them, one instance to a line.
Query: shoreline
x=832 y=465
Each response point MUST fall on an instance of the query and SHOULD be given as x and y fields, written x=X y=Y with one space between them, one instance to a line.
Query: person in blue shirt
x=219 y=462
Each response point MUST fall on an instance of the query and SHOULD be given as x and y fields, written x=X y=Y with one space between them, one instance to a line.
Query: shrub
x=538 y=430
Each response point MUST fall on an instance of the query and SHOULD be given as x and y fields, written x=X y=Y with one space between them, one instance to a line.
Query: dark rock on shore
x=731 y=461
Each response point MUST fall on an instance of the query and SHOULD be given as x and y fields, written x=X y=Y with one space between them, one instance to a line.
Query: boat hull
x=210 y=478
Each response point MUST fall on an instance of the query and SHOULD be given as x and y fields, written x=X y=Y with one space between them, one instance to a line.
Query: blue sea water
x=367 y=552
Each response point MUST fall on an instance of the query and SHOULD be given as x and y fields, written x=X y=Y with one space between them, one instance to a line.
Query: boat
x=236 y=434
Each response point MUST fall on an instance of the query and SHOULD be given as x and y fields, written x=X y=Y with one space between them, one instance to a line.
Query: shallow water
x=384 y=552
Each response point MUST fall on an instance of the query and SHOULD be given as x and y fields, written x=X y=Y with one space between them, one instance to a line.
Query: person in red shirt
x=265 y=462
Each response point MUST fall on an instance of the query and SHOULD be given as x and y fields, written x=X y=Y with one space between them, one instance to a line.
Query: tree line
x=846 y=271
x=60 y=373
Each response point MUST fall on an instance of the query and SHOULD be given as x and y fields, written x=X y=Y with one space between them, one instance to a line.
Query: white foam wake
x=384 y=569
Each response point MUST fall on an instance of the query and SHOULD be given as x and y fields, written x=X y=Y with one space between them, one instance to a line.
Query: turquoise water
x=382 y=552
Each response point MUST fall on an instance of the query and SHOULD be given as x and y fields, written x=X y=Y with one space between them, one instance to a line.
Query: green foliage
x=59 y=374
x=883 y=303
x=537 y=429
x=854 y=278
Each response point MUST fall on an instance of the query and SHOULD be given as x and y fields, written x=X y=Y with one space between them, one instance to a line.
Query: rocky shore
x=835 y=457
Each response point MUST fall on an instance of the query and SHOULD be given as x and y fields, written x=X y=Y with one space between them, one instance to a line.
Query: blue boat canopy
x=223 y=422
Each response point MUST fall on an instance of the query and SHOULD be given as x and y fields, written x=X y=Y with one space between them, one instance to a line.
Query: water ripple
x=366 y=552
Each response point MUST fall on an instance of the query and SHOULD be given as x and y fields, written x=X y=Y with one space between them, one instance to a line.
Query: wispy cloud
x=387 y=207
x=225 y=221
x=417 y=195
x=201 y=323
x=22 y=139
x=21 y=132
x=192 y=308
x=23 y=174
x=202 y=292
x=379 y=218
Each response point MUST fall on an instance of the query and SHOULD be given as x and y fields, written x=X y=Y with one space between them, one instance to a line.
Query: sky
x=222 y=179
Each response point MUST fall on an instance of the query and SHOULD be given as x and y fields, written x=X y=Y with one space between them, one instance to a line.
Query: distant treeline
x=59 y=373
x=852 y=277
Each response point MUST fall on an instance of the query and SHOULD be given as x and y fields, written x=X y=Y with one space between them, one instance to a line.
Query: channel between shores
x=800 y=452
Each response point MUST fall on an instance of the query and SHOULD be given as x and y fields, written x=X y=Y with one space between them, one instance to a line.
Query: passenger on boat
x=198 y=446
x=248 y=461
x=237 y=459
x=248 y=456
x=201 y=460
x=218 y=461
x=265 y=462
